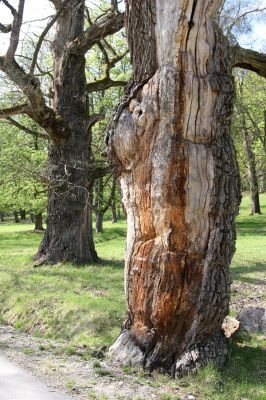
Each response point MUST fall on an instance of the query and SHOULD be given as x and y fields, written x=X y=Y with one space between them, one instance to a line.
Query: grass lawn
x=85 y=305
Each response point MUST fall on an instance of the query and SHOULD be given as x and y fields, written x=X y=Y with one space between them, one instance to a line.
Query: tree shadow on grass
x=246 y=364
x=254 y=228
x=238 y=272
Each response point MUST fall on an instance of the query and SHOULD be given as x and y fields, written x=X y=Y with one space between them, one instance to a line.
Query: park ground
x=59 y=320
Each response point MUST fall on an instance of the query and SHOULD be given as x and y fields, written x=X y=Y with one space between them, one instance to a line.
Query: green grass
x=85 y=305
x=249 y=262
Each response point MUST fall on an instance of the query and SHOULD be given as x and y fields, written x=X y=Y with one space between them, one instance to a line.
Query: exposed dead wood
x=170 y=141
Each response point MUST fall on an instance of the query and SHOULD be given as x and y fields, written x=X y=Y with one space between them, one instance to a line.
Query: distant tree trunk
x=114 y=212
x=66 y=236
x=22 y=214
x=171 y=145
x=113 y=203
x=38 y=222
x=90 y=222
x=99 y=222
x=252 y=173
x=263 y=182
x=31 y=219
x=2 y=219
x=16 y=220
x=99 y=205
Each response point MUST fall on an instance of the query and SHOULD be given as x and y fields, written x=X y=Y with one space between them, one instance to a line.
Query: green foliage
x=22 y=166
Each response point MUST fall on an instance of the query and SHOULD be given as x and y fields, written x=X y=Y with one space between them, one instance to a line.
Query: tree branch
x=25 y=129
x=37 y=109
x=14 y=37
x=11 y=8
x=249 y=59
x=104 y=84
x=44 y=33
x=107 y=25
x=94 y=119
x=8 y=112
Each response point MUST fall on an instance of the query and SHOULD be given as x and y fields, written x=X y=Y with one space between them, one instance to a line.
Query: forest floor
x=58 y=321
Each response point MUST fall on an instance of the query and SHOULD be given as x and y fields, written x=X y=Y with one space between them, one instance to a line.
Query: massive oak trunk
x=171 y=145
x=67 y=234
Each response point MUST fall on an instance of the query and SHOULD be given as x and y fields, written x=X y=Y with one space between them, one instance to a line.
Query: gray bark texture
x=171 y=146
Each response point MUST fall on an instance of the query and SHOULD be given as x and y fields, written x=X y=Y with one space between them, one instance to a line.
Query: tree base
x=126 y=352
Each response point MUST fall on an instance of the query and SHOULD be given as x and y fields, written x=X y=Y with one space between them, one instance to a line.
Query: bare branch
x=104 y=84
x=14 y=37
x=56 y=3
x=94 y=119
x=8 y=112
x=107 y=25
x=44 y=33
x=249 y=59
x=25 y=129
x=11 y=8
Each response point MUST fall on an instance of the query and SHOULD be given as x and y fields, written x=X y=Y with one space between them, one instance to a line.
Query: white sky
x=37 y=9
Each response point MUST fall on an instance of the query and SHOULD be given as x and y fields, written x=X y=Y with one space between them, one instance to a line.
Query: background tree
x=171 y=145
x=66 y=121
x=249 y=133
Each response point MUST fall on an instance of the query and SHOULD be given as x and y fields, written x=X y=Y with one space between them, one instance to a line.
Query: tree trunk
x=114 y=213
x=99 y=222
x=170 y=143
x=252 y=173
x=2 y=219
x=90 y=223
x=38 y=222
x=113 y=203
x=31 y=219
x=66 y=237
x=22 y=214
x=16 y=220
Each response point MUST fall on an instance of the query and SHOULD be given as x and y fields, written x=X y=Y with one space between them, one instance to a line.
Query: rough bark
x=170 y=143
x=66 y=236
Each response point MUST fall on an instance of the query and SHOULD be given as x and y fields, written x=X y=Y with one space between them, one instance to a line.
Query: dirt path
x=16 y=383
x=70 y=374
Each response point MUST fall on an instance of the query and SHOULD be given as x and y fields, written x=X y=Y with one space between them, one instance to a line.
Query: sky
x=38 y=9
